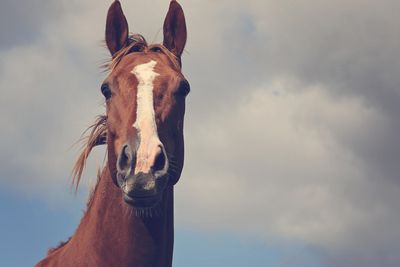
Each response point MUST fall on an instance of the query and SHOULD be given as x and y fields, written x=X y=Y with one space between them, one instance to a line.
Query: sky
x=291 y=128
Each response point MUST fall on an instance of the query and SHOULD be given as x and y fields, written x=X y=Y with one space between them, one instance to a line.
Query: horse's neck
x=110 y=233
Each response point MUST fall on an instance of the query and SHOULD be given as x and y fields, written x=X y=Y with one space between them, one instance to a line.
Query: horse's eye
x=155 y=49
x=106 y=91
x=184 y=88
x=136 y=48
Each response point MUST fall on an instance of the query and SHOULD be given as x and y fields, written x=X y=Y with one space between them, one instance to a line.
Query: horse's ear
x=175 y=29
x=116 y=28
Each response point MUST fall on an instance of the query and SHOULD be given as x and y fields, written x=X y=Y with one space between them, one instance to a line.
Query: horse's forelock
x=138 y=43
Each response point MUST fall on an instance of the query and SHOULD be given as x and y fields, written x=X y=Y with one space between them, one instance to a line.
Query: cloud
x=274 y=165
x=48 y=97
x=22 y=23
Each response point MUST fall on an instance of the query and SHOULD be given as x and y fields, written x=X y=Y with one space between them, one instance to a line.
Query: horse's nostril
x=125 y=158
x=160 y=162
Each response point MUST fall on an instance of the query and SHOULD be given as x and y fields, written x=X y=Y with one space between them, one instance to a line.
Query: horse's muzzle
x=142 y=189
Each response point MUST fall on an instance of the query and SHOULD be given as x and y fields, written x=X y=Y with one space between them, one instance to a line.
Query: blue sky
x=291 y=128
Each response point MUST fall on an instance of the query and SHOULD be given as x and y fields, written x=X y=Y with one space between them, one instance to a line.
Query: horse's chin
x=147 y=202
x=144 y=207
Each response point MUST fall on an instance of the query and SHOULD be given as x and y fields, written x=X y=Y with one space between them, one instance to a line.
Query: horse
x=129 y=219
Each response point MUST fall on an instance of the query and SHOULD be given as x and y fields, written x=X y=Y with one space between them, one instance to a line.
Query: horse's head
x=145 y=100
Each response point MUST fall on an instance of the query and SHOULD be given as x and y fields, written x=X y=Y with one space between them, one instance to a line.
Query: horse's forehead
x=161 y=65
x=145 y=72
x=134 y=67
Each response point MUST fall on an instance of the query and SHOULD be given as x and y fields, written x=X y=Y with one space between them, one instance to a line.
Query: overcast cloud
x=292 y=124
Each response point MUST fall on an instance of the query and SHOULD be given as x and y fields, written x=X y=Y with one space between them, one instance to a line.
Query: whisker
x=173 y=164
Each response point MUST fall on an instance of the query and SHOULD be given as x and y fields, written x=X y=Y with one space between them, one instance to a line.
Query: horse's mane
x=60 y=245
x=98 y=130
x=97 y=136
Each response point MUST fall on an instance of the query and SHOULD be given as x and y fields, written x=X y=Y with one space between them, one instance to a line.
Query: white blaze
x=145 y=117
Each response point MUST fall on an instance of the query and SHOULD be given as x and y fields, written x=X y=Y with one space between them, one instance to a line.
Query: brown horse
x=129 y=217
